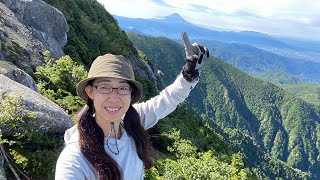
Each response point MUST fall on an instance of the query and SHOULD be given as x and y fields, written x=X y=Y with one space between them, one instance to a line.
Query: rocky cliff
x=27 y=28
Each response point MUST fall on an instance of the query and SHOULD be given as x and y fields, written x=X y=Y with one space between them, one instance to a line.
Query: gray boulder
x=18 y=45
x=49 y=23
x=14 y=73
x=49 y=116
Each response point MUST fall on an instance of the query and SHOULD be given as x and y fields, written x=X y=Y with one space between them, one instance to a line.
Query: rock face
x=49 y=23
x=145 y=70
x=27 y=28
x=49 y=116
x=11 y=71
x=17 y=42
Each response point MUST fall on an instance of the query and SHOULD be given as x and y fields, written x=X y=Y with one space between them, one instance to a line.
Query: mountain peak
x=175 y=17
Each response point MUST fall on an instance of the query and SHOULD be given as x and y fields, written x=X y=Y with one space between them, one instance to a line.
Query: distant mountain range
x=171 y=26
x=254 y=61
x=249 y=51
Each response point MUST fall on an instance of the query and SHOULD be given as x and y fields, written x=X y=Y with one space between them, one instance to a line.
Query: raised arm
x=163 y=104
x=168 y=99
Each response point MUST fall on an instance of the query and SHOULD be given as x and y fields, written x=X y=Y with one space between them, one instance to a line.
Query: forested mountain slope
x=272 y=121
x=164 y=54
x=282 y=125
x=92 y=30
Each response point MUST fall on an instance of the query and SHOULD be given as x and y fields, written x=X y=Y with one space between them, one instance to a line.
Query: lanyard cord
x=114 y=130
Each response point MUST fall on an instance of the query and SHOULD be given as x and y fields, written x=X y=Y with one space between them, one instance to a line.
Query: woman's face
x=109 y=107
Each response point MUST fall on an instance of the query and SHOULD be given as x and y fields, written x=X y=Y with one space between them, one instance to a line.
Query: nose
x=113 y=96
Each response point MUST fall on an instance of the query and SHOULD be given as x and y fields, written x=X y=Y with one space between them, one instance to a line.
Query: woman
x=110 y=139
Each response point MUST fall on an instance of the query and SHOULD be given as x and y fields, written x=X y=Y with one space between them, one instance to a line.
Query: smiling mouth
x=112 y=109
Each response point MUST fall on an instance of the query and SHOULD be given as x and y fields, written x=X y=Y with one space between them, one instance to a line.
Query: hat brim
x=137 y=93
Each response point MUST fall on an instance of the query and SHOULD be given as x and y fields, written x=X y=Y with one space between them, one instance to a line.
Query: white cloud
x=134 y=8
x=281 y=17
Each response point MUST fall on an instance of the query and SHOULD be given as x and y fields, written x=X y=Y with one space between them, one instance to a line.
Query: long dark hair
x=92 y=142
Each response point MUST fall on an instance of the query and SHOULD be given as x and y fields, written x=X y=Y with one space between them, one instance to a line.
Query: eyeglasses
x=106 y=89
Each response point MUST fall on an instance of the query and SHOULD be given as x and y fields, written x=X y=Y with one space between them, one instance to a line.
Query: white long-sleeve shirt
x=72 y=165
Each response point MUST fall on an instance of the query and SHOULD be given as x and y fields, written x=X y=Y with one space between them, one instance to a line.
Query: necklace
x=114 y=130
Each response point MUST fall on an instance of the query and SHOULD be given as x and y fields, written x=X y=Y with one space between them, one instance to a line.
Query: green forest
x=284 y=129
x=308 y=91
x=233 y=126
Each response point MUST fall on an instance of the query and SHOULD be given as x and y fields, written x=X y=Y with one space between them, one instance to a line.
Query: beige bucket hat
x=115 y=66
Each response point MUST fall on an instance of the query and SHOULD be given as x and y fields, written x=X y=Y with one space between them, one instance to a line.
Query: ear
x=89 y=91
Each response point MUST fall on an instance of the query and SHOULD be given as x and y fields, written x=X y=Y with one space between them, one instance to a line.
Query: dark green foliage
x=261 y=163
x=149 y=89
x=33 y=152
x=278 y=77
x=37 y=164
x=263 y=114
x=92 y=30
x=262 y=110
x=164 y=53
x=193 y=150
x=12 y=118
x=275 y=124
x=194 y=128
x=309 y=92
x=57 y=81
x=13 y=53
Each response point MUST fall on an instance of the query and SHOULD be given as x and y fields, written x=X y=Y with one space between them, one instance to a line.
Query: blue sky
x=288 y=18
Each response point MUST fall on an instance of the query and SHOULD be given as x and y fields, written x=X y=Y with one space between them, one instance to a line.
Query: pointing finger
x=187 y=44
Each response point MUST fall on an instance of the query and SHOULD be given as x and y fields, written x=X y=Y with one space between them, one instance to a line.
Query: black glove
x=195 y=54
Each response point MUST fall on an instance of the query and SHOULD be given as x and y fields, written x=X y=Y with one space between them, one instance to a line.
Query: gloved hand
x=195 y=54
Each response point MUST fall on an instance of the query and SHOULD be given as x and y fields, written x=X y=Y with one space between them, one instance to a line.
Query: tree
x=57 y=81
